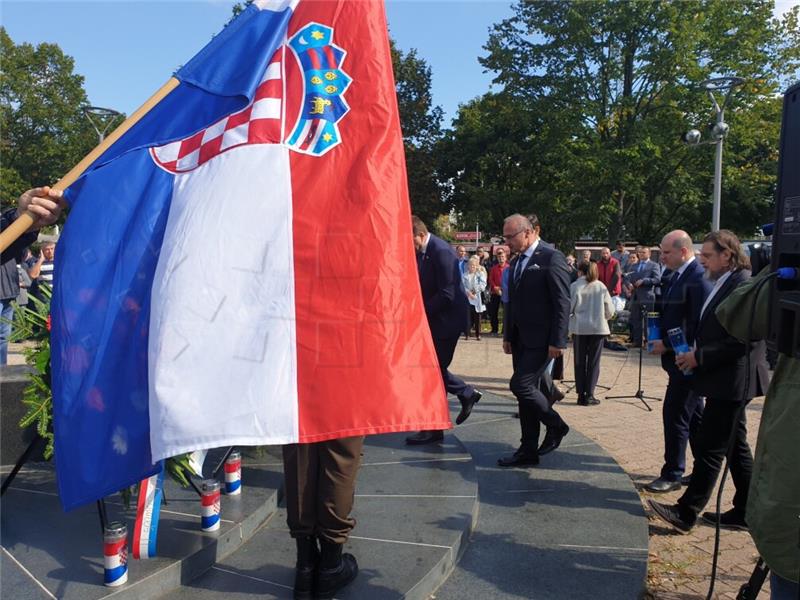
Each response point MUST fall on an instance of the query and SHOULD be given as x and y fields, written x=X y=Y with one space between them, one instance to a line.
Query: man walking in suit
x=719 y=364
x=681 y=302
x=642 y=282
x=535 y=332
x=447 y=309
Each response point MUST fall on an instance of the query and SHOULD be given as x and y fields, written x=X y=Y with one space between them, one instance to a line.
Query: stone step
x=415 y=508
x=572 y=527
x=48 y=553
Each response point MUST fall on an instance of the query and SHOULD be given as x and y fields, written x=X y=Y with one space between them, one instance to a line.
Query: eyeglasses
x=513 y=235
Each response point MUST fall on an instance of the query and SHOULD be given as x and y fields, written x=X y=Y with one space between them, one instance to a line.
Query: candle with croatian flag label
x=653 y=329
x=233 y=474
x=115 y=554
x=209 y=505
x=679 y=344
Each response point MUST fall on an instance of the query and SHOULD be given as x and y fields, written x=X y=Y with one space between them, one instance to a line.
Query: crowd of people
x=23 y=274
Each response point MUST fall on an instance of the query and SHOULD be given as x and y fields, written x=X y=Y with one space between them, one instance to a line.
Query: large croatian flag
x=238 y=268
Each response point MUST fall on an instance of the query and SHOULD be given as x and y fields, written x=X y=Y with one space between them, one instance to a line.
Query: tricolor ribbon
x=148 y=508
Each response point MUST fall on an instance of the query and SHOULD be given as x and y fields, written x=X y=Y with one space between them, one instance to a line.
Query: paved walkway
x=679 y=566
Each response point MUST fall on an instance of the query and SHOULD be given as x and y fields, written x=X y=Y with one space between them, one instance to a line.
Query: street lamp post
x=100 y=118
x=719 y=131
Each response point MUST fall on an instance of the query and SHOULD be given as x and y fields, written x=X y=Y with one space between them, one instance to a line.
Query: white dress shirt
x=717 y=286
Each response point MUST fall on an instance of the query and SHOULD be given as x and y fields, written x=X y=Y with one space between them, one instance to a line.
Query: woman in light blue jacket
x=590 y=309
x=474 y=283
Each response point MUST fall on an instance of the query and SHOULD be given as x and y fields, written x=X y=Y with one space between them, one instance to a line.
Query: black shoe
x=616 y=346
x=727 y=520
x=520 y=458
x=336 y=570
x=425 y=437
x=552 y=439
x=588 y=401
x=686 y=479
x=670 y=514
x=466 y=406
x=661 y=486
x=306 y=567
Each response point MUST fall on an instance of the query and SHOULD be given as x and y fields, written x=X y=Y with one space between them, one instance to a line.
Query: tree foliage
x=44 y=131
x=595 y=98
x=421 y=123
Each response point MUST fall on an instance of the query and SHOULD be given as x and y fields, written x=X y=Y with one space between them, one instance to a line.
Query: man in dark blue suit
x=681 y=303
x=447 y=309
x=535 y=333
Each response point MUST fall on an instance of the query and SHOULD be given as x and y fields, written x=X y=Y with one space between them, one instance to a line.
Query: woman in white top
x=590 y=309
x=474 y=283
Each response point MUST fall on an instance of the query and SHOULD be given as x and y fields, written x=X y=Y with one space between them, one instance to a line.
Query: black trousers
x=683 y=414
x=586 y=351
x=494 y=313
x=721 y=419
x=534 y=406
x=475 y=321
x=445 y=348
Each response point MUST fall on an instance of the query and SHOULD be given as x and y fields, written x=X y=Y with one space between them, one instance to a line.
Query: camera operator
x=718 y=364
x=773 y=504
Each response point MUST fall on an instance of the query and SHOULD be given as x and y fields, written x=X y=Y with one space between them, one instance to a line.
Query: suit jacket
x=650 y=276
x=443 y=293
x=537 y=315
x=681 y=302
x=721 y=358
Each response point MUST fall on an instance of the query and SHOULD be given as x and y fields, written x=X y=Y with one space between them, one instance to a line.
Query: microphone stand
x=639 y=395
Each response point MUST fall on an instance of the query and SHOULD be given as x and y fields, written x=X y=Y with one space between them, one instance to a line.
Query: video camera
x=784 y=330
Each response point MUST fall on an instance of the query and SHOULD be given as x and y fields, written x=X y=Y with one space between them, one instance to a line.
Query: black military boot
x=336 y=570
x=306 y=567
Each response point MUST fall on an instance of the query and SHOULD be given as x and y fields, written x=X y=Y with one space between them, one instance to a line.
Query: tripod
x=571 y=383
x=639 y=395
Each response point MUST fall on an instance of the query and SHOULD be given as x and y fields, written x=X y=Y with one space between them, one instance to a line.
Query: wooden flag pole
x=24 y=221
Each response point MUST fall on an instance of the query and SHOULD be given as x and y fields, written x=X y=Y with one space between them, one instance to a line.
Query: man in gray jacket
x=641 y=282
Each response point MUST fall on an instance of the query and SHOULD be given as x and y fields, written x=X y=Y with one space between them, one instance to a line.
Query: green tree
x=503 y=156
x=421 y=122
x=605 y=90
x=45 y=132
